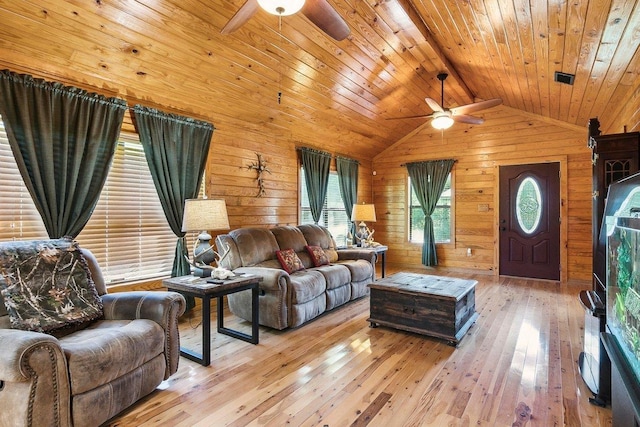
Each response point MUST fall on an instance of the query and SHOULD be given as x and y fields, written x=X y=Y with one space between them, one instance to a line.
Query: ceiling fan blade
x=241 y=17
x=325 y=17
x=463 y=118
x=422 y=116
x=476 y=106
x=433 y=104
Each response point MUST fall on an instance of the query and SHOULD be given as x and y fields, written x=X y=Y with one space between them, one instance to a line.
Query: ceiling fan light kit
x=319 y=12
x=441 y=120
x=281 y=7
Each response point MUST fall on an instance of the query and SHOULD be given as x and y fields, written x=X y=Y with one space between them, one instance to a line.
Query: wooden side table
x=379 y=250
x=198 y=287
x=382 y=251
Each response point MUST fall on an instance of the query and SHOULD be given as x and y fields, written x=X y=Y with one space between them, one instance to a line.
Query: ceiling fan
x=443 y=118
x=320 y=12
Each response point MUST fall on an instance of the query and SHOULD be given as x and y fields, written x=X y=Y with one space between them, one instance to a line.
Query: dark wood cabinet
x=614 y=157
x=625 y=398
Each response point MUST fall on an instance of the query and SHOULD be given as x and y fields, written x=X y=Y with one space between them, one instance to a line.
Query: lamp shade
x=281 y=7
x=204 y=214
x=363 y=212
x=442 y=120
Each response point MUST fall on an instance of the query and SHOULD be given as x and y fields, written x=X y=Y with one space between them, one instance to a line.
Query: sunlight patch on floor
x=529 y=339
x=360 y=345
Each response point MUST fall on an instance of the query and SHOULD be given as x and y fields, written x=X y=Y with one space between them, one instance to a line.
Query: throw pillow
x=47 y=285
x=317 y=255
x=289 y=260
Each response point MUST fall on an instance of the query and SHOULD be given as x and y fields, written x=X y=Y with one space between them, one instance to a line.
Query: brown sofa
x=289 y=300
x=97 y=369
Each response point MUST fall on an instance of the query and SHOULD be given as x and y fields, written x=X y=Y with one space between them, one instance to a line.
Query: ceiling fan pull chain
x=280 y=65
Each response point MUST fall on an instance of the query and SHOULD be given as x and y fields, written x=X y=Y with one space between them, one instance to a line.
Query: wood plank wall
x=508 y=136
x=234 y=145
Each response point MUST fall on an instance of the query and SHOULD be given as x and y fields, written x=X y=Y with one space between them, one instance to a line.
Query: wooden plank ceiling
x=170 y=54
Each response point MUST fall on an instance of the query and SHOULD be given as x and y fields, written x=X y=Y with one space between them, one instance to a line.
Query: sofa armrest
x=274 y=297
x=271 y=277
x=164 y=308
x=356 y=254
x=35 y=385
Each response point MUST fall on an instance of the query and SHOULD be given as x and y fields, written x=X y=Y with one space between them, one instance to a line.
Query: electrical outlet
x=468 y=251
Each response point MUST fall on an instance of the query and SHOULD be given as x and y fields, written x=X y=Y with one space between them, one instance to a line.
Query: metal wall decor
x=260 y=167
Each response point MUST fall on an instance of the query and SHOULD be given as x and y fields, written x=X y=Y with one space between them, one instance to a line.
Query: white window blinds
x=127 y=232
x=19 y=218
x=333 y=215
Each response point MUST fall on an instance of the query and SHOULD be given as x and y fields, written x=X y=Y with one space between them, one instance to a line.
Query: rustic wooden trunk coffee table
x=438 y=306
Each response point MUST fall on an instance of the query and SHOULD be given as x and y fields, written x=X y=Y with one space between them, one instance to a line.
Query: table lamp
x=363 y=212
x=204 y=215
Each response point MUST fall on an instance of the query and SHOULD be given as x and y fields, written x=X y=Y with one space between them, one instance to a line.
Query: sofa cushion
x=289 y=237
x=316 y=235
x=123 y=345
x=360 y=269
x=335 y=275
x=317 y=255
x=306 y=285
x=289 y=261
x=51 y=288
x=255 y=245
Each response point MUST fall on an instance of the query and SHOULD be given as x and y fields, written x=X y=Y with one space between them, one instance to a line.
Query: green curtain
x=348 y=179
x=428 y=180
x=176 y=149
x=316 y=169
x=63 y=140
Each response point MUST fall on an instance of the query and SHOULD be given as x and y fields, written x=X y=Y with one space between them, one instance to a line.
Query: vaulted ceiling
x=171 y=54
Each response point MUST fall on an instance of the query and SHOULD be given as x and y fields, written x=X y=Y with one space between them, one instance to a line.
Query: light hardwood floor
x=337 y=371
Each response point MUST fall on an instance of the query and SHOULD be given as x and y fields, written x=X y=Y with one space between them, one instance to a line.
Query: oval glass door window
x=529 y=205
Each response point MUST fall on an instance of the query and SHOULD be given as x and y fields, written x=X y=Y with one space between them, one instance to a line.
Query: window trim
x=452 y=216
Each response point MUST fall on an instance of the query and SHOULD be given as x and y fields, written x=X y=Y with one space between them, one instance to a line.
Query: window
x=441 y=216
x=127 y=232
x=19 y=218
x=529 y=205
x=333 y=215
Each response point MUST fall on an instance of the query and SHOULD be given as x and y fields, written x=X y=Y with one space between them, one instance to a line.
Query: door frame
x=562 y=160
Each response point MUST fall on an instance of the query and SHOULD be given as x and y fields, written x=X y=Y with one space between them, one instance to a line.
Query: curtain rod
x=334 y=155
x=434 y=160
x=315 y=150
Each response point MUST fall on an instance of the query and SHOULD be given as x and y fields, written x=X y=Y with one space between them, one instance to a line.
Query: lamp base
x=202 y=271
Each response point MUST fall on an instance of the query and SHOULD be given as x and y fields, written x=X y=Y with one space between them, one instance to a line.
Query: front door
x=530 y=221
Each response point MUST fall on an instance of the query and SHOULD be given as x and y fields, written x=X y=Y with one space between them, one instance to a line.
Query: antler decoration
x=219 y=257
x=260 y=166
x=365 y=237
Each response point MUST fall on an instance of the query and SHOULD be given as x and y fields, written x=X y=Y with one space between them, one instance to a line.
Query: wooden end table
x=198 y=287
x=380 y=250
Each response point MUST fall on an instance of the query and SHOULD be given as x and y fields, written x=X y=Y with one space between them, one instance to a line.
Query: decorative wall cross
x=260 y=166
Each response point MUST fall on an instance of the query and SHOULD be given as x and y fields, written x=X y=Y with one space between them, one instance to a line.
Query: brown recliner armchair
x=91 y=371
